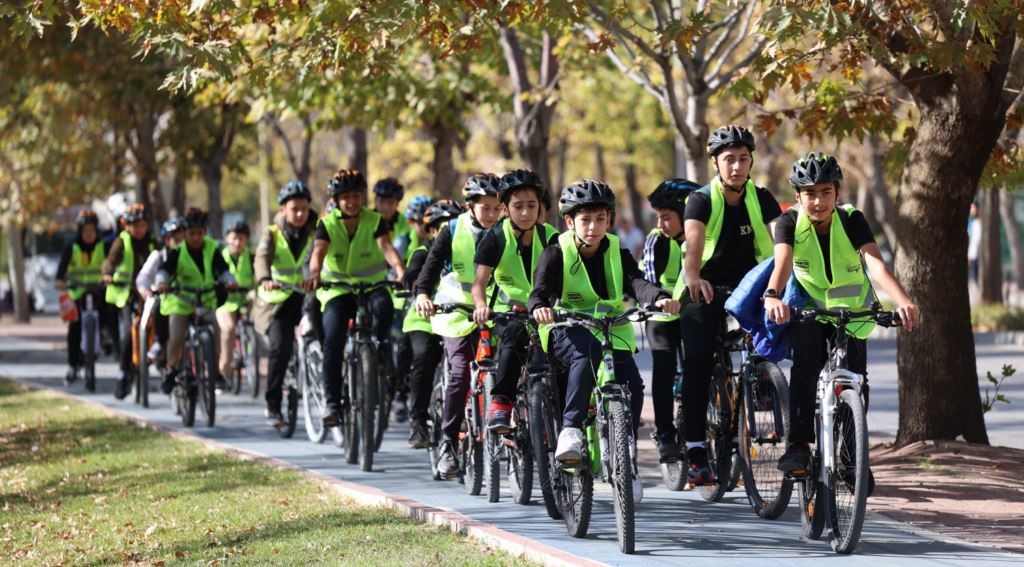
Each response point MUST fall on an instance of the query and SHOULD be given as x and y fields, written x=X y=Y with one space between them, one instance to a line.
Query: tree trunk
x=146 y=167
x=1007 y=213
x=213 y=174
x=990 y=257
x=563 y=155
x=444 y=139
x=16 y=272
x=358 y=156
x=635 y=200
x=697 y=122
x=874 y=171
x=600 y=171
x=178 y=187
x=938 y=379
x=266 y=145
x=680 y=167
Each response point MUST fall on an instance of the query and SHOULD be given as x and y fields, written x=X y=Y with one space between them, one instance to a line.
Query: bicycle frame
x=833 y=379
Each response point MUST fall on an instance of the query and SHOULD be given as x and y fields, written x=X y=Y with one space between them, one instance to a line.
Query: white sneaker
x=570 y=445
x=638 y=491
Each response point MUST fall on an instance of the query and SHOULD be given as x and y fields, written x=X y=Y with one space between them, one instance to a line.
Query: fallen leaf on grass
x=150 y=530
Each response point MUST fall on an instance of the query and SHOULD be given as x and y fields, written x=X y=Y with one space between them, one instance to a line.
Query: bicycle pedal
x=798 y=473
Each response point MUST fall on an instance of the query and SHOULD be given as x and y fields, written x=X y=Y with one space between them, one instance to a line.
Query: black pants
x=75 y=356
x=810 y=351
x=125 y=320
x=281 y=336
x=336 y=316
x=700 y=324
x=426 y=356
x=403 y=359
x=512 y=353
x=664 y=337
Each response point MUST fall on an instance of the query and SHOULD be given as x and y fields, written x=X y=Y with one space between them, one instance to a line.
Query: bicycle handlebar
x=883 y=318
x=634 y=315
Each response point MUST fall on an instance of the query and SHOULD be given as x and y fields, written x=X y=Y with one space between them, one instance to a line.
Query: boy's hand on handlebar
x=481 y=315
x=544 y=315
x=424 y=306
x=668 y=305
x=777 y=310
x=909 y=314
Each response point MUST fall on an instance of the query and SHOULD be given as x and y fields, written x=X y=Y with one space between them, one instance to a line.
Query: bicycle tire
x=846 y=504
x=188 y=396
x=575 y=493
x=434 y=420
x=812 y=508
x=520 y=454
x=252 y=361
x=619 y=436
x=237 y=362
x=291 y=414
x=766 y=405
x=142 y=372
x=473 y=464
x=492 y=442
x=89 y=358
x=207 y=380
x=543 y=438
x=383 y=403
x=673 y=473
x=718 y=439
x=351 y=383
x=314 y=402
x=367 y=406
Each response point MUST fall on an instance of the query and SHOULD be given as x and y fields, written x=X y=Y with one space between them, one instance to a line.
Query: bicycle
x=610 y=452
x=245 y=364
x=442 y=376
x=90 y=342
x=673 y=467
x=836 y=481
x=365 y=362
x=197 y=376
x=146 y=338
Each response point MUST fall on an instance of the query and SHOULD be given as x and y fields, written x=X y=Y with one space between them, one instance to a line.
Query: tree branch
x=639 y=77
x=741 y=26
x=718 y=81
x=614 y=26
x=729 y=23
x=272 y=118
x=516 y=63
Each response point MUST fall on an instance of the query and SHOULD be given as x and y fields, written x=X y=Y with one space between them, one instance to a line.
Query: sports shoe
x=167 y=384
x=795 y=459
x=154 y=353
x=499 y=415
x=275 y=419
x=447 y=461
x=123 y=387
x=699 y=474
x=401 y=411
x=418 y=436
x=668 y=447
x=71 y=376
x=332 y=418
x=221 y=384
x=638 y=490
x=570 y=445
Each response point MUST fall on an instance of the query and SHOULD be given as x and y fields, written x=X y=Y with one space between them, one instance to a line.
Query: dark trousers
x=75 y=356
x=810 y=351
x=281 y=336
x=336 y=316
x=512 y=354
x=665 y=337
x=125 y=320
x=700 y=325
x=426 y=353
x=459 y=352
x=579 y=349
x=403 y=359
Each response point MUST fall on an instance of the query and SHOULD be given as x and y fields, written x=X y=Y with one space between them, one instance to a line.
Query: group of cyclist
x=494 y=253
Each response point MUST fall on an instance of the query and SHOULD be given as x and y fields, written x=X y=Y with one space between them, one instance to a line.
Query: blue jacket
x=770 y=339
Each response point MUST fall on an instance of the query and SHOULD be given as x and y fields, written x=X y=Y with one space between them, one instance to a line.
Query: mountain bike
x=610 y=452
x=834 y=488
x=245 y=363
x=89 y=317
x=146 y=336
x=197 y=384
x=435 y=417
x=673 y=467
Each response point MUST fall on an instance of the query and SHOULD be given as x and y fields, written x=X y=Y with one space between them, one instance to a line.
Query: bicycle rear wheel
x=619 y=440
x=846 y=488
x=237 y=363
x=383 y=401
x=472 y=463
x=89 y=333
x=351 y=422
x=764 y=430
x=520 y=454
x=314 y=401
x=367 y=406
x=812 y=508
x=574 y=491
x=719 y=437
x=206 y=377
x=543 y=439
x=251 y=357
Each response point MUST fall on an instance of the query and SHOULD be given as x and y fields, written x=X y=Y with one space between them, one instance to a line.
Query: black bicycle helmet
x=479 y=185
x=815 y=168
x=134 y=213
x=442 y=211
x=87 y=217
x=586 y=193
x=730 y=136
x=194 y=218
x=518 y=179
x=240 y=227
x=294 y=190
x=171 y=225
x=345 y=180
x=672 y=194
x=389 y=187
x=418 y=207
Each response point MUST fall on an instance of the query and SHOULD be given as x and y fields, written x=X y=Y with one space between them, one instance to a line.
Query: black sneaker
x=419 y=438
x=167 y=384
x=699 y=473
x=332 y=418
x=795 y=459
x=221 y=384
x=401 y=411
x=123 y=387
x=106 y=341
x=72 y=376
x=668 y=447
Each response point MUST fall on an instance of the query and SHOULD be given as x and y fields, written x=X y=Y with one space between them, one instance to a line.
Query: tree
x=962 y=67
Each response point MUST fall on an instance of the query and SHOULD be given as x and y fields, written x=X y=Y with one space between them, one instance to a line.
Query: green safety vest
x=286 y=268
x=413 y=321
x=414 y=244
x=120 y=290
x=351 y=260
x=850 y=287
x=184 y=302
x=79 y=274
x=514 y=285
x=242 y=270
x=578 y=295
x=763 y=244
x=401 y=227
x=672 y=273
x=458 y=324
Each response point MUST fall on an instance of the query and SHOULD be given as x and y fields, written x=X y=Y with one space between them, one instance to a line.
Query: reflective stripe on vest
x=286 y=268
x=672 y=272
x=242 y=270
x=351 y=260
x=578 y=294
x=124 y=275
x=850 y=287
x=184 y=302
x=80 y=274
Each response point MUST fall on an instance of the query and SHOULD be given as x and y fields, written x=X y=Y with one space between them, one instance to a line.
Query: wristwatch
x=770 y=293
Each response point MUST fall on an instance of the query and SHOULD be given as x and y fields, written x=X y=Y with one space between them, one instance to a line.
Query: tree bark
x=563 y=156
x=600 y=171
x=146 y=168
x=178 y=186
x=635 y=200
x=990 y=257
x=680 y=169
x=211 y=164
x=16 y=272
x=358 y=156
x=1008 y=215
x=266 y=145
x=446 y=177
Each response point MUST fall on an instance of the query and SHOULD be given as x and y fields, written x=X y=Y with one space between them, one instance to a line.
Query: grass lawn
x=78 y=487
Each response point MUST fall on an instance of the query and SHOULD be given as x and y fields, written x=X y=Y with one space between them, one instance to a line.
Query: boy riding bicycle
x=239 y=260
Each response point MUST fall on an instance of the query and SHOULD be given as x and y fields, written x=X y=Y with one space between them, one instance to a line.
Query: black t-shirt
x=322 y=234
x=854 y=224
x=734 y=253
x=492 y=246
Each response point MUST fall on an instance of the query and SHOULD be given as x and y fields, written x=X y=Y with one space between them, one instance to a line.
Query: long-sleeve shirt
x=140 y=246
x=147 y=275
x=296 y=238
x=547 y=280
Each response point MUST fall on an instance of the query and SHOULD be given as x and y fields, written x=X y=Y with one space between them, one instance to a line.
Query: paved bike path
x=672 y=528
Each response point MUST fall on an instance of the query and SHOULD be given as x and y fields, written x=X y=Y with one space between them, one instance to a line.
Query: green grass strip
x=78 y=487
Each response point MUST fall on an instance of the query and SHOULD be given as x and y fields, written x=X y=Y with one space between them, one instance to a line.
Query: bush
x=997 y=318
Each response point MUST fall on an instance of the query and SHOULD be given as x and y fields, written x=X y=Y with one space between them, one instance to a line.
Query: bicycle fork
x=830 y=385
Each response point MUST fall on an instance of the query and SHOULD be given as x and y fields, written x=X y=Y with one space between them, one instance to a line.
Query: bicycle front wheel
x=206 y=377
x=367 y=406
x=846 y=487
x=434 y=419
x=314 y=402
x=764 y=430
x=142 y=370
x=89 y=332
x=543 y=439
x=251 y=357
x=619 y=445
x=493 y=451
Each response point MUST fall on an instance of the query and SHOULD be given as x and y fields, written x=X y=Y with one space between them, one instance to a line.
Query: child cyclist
x=587 y=271
x=455 y=246
x=662 y=264
x=172 y=231
x=424 y=344
x=509 y=251
x=238 y=257
x=832 y=250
